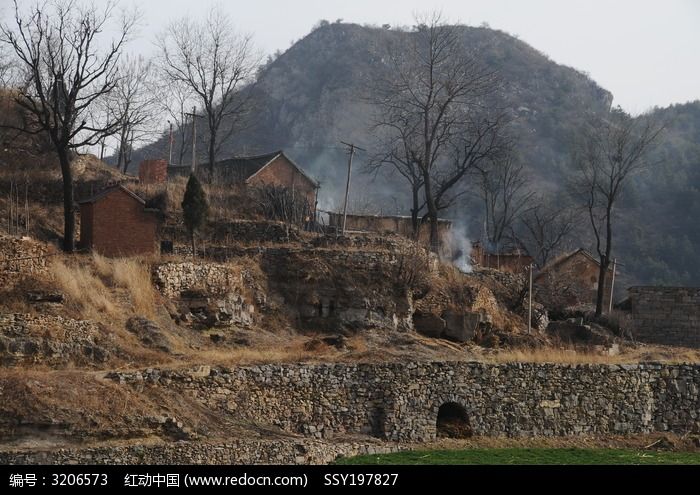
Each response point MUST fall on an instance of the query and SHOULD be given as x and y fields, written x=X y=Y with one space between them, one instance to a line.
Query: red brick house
x=153 y=171
x=116 y=222
x=575 y=277
x=515 y=261
x=271 y=169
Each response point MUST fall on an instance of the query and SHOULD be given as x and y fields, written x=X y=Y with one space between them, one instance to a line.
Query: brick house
x=153 y=172
x=515 y=261
x=115 y=222
x=271 y=169
x=575 y=276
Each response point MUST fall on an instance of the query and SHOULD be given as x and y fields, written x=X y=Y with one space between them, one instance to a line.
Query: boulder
x=429 y=324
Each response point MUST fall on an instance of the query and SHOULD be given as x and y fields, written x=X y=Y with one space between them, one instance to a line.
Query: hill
x=313 y=95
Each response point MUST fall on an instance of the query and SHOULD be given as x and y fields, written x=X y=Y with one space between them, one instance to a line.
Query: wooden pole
x=529 y=306
x=612 y=286
x=170 y=147
x=352 y=150
x=12 y=207
x=347 y=188
x=194 y=140
x=26 y=208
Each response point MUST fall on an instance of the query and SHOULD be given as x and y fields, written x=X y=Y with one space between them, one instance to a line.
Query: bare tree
x=505 y=191
x=546 y=227
x=176 y=100
x=5 y=67
x=57 y=45
x=610 y=152
x=395 y=154
x=208 y=57
x=431 y=105
x=133 y=104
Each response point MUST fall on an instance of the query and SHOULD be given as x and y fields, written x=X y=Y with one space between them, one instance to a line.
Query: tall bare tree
x=58 y=44
x=176 y=101
x=216 y=63
x=505 y=191
x=133 y=104
x=546 y=227
x=432 y=108
x=610 y=152
x=394 y=152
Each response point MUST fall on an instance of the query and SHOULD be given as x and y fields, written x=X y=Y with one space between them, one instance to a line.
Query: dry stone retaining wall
x=296 y=451
x=400 y=401
x=21 y=256
x=666 y=315
x=324 y=407
x=213 y=278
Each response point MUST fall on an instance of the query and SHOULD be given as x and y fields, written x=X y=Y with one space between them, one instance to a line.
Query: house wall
x=153 y=171
x=666 y=315
x=120 y=226
x=282 y=173
x=86 y=223
x=509 y=263
x=579 y=274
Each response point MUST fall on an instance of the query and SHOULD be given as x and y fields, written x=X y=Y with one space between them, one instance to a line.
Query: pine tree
x=195 y=208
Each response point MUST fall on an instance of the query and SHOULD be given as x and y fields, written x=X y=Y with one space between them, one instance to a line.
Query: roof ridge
x=98 y=196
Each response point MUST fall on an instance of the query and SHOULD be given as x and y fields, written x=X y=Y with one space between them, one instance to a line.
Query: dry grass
x=289 y=350
x=639 y=354
x=84 y=290
x=135 y=276
x=556 y=355
x=90 y=286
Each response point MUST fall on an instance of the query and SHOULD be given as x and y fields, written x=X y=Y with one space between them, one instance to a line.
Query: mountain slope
x=313 y=95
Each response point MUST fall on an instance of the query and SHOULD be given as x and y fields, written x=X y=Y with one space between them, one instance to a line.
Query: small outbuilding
x=514 y=261
x=153 y=172
x=116 y=222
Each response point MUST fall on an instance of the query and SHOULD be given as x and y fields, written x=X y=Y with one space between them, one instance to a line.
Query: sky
x=647 y=53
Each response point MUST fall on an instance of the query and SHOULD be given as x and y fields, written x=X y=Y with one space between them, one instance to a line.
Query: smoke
x=461 y=248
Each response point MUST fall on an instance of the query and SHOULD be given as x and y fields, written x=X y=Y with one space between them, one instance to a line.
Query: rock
x=461 y=327
x=43 y=296
x=337 y=341
x=575 y=333
x=429 y=325
x=148 y=333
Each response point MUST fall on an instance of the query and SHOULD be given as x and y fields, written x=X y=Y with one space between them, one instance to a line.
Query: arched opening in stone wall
x=377 y=417
x=453 y=422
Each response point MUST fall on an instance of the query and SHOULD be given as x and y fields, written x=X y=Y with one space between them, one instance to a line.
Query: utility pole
x=351 y=152
x=170 y=147
x=612 y=286
x=529 y=305
x=194 y=137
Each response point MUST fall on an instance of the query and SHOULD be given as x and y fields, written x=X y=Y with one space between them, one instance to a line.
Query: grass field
x=514 y=456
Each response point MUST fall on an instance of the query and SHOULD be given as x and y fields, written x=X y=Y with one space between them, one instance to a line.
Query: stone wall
x=256 y=232
x=209 y=294
x=665 y=315
x=172 y=279
x=400 y=401
x=233 y=452
x=21 y=256
x=51 y=340
x=324 y=410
